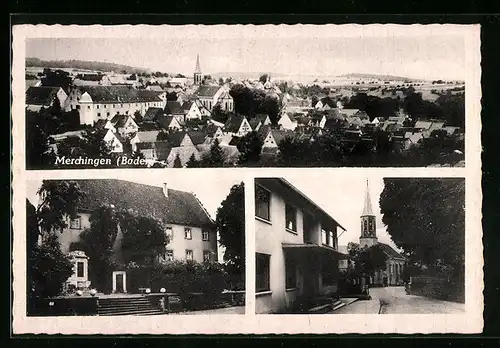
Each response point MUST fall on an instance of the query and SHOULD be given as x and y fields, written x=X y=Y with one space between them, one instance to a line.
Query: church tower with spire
x=197 y=72
x=368 y=232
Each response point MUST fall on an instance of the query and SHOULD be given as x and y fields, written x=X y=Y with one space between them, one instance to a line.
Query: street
x=394 y=300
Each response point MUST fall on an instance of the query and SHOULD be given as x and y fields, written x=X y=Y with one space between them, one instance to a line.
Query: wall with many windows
x=198 y=240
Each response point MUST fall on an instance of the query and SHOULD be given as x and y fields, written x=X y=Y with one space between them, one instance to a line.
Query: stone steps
x=127 y=306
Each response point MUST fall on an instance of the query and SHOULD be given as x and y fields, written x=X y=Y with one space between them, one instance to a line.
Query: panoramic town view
x=405 y=255
x=275 y=102
x=111 y=247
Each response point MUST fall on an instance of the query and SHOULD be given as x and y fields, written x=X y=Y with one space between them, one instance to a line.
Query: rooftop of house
x=387 y=250
x=119 y=94
x=152 y=114
x=179 y=207
x=197 y=137
x=174 y=139
x=174 y=108
x=147 y=136
x=207 y=91
x=233 y=123
x=119 y=120
x=41 y=95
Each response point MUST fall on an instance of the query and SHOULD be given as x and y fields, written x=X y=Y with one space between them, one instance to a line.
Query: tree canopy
x=426 y=218
x=230 y=223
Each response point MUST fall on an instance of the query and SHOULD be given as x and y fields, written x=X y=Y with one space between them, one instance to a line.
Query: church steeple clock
x=368 y=232
x=197 y=72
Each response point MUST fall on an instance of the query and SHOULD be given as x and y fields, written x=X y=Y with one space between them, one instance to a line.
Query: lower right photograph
x=359 y=245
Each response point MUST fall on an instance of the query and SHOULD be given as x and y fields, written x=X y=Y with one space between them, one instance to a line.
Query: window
x=88 y=107
x=262 y=203
x=291 y=217
x=113 y=105
x=204 y=235
x=170 y=234
x=371 y=225
x=169 y=255
x=324 y=237
x=107 y=113
x=291 y=273
x=98 y=114
x=330 y=239
x=79 y=269
x=262 y=282
x=121 y=105
x=75 y=224
x=187 y=233
x=206 y=256
x=104 y=106
x=189 y=255
x=78 y=107
x=97 y=106
x=365 y=226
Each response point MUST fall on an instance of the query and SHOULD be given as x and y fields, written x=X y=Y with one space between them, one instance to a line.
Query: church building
x=197 y=76
x=368 y=241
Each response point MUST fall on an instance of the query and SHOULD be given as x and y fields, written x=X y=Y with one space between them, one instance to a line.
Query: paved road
x=394 y=300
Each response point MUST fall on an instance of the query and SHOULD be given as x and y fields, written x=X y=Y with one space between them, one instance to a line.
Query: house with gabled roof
x=43 y=97
x=174 y=108
x=191 y=110
x=288 y=121
x=114 y=141
x=152 y=115
x=168 y=123
x=191 y=230
x=143 y=137
x=124 y=125
x=237 y=125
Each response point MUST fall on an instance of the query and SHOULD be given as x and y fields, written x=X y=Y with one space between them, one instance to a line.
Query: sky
x=210 y=189
x=435 y=54
x=343 y=198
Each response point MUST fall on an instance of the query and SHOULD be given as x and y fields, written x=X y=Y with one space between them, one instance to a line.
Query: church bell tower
x=368 y=232
x=197 y=72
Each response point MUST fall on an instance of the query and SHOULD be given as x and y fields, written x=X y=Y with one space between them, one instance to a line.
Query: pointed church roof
x=197 y=70
x=367 y=209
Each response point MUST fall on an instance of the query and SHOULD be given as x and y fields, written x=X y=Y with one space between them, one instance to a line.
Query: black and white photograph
x=247 y=96
x=373 y=246
x=111 y=247
x=246 y=179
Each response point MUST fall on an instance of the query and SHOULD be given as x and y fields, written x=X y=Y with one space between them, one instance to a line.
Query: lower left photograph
x=116 y=247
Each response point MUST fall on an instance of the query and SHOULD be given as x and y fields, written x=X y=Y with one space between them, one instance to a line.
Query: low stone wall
x=64 y=306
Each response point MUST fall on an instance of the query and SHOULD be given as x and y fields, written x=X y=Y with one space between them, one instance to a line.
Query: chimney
x=165 y=189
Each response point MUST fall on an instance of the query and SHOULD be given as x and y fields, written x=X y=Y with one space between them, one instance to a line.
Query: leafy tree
x=425 y=217
x=215 y=157
x=99 y=239
x=59 y=199
x=294 y=152
x=263 y=78
x=250 y=148
x=137 y=116
x=144 y=238
x=56 y=78
x=230 y=221
x=177 y=162
x=221 y=81
x=39 y=154
x=48 y=268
